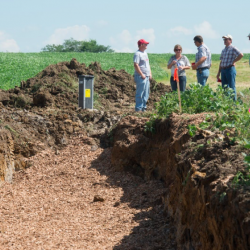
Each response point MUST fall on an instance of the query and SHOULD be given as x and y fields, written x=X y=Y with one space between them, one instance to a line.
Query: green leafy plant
x=192 y=129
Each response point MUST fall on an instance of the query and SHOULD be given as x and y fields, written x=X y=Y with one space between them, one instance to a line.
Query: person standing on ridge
x=202 y=61
x=229 y=56
x=142 y=76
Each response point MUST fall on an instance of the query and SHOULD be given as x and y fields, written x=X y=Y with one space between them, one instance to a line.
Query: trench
x=207 y=211
x=177 y=189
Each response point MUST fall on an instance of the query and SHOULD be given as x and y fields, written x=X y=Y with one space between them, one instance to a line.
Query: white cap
x=228 y=36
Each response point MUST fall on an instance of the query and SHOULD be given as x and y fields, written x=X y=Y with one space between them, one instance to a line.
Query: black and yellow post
x=86 y=91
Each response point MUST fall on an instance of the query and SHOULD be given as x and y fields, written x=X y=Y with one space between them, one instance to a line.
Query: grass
x=15 y=67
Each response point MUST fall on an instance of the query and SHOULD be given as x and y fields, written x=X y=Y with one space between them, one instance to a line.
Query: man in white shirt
x=142 y=76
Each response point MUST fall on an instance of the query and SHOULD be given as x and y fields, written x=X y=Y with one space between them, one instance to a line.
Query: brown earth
x=57 y=87
x=208 y=211
x=76 y=200
x=174 y=189
x=43 y=112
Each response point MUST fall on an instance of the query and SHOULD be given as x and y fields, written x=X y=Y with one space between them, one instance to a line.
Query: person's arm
x=218 y=75
x=138 y=70
x=238 y=58
x=187 y=64
x=202 y=60
x=171 y=64
x=184 y=67
x=150 y=76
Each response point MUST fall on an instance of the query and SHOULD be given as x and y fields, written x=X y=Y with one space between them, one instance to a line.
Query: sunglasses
x=177 y=50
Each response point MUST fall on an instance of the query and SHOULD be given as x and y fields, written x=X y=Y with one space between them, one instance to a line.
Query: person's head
x=142 y=44
x=177 y=49
x=198 y=40
x=228 y=39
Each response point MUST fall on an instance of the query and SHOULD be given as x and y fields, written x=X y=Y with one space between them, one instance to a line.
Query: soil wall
x=208 y=212
x=6 y=156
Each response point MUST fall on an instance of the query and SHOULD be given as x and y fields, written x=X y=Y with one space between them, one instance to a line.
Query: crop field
x=15 y=67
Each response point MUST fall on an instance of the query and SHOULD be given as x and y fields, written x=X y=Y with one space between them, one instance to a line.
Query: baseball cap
x=228 y=36
x=141 y=41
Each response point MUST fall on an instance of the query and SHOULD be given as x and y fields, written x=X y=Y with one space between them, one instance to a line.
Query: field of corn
x=15 y=67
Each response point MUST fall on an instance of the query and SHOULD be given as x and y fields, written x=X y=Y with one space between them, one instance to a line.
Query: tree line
x=71 y=45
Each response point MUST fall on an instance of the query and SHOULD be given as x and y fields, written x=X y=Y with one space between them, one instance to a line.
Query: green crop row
x=15 y=67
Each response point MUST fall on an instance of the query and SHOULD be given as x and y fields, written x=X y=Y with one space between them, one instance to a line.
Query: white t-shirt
x=141 y=58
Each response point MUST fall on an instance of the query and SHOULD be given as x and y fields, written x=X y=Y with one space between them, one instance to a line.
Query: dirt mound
x=57 y=86
x=209 y=212
x=43 y=112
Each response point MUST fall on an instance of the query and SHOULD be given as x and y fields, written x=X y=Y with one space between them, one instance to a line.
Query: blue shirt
x=203 y=50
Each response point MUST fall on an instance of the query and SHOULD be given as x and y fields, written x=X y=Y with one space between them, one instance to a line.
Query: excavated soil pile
x=208 y=210
x=57 y=86
x=43 y=112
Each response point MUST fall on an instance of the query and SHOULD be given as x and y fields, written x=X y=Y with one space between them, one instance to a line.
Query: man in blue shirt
x=142 y=76
x=202 y=60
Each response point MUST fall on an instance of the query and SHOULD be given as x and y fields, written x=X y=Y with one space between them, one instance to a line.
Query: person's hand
x=181 y=67
x=194 y=67
x=174 y=62
x=143 y=76
x=150 y=77
x=218 y=76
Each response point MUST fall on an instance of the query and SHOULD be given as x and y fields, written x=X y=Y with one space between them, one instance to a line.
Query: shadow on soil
x=155 y=230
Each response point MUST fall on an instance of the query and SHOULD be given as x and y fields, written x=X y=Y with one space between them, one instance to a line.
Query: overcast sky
x=28 y=25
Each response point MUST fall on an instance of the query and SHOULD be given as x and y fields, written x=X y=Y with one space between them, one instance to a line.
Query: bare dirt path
x=75 y=200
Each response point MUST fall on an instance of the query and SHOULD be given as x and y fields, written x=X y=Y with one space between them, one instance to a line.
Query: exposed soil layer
x=76 y=200
x=209 y=213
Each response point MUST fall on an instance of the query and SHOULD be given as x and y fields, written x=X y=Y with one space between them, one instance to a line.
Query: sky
x=29 y=25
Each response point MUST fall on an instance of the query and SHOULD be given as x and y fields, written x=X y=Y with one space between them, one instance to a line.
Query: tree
x=71 y=45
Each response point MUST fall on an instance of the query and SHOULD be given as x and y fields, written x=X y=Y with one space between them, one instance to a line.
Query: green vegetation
x=71 y=45
x=227 y=113
x=17 y=67
x=224 y=115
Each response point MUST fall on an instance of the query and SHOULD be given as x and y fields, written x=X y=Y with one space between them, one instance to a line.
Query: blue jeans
x=228 y=79
x=182 y=83
x=142 y=92
x=202 y=75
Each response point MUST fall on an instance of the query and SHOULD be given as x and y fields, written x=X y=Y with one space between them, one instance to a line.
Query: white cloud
x=125 y=37
x=147 y=34
x=179 y=30
x=205 y=29
x=77 y=32
x=101 y=23
x=122 y=42
x=8 y=44
x=127 y=42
